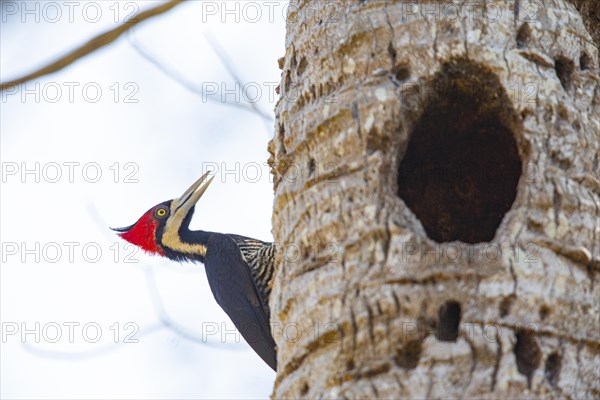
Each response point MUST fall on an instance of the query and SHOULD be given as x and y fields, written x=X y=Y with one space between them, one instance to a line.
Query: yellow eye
x=161 y=212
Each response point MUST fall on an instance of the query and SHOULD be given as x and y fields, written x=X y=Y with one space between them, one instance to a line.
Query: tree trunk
x=437 y=201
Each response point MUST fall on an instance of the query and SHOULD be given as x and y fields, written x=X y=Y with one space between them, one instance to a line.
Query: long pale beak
x=191 y=196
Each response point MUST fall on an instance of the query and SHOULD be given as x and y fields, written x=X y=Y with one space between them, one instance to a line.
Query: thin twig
x=87 y=354
x=169 y=323
x=228 y=64
x=92 y=45
x=180 y=79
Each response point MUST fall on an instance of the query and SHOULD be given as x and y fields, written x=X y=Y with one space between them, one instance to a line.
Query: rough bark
x=590 y=13
x=437 y=202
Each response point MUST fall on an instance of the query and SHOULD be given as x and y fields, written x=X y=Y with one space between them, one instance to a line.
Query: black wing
x=260 y=258
x=235 y=291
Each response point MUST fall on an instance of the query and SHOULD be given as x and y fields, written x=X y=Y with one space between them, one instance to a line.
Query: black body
x=233 y=267
x=236 y=291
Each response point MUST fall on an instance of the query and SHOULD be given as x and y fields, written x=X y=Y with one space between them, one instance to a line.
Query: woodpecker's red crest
x=143 y=232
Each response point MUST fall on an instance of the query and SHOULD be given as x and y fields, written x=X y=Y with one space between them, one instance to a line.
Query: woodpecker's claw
x=191 y=196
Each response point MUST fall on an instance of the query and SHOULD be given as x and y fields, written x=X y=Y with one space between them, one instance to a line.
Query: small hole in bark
x=302 y=66
x=527 y=353
x=563 y=112
x=304 y=389
x=544 y=311
x=306 y=253
x=461 y=167
x=392 y=51
x=401 y=72
x=409 y=354
x=565 y=68
x=350 y=365
x=448 y=322
x=288 y=81
x=585 y=62
x=313 y=92
x=552 y=368
x=505 y=306
x=525 y=114
x=293 y=61
x=311 y=166
x=523 y=35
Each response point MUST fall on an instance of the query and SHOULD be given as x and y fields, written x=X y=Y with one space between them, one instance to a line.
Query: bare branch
x=180 y=79
x=228 y=64
x=87 y=354
x=172 y=325
x=92 y=45
x=192 y=87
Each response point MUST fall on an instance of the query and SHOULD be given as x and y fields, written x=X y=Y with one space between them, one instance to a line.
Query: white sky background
x=169 y=135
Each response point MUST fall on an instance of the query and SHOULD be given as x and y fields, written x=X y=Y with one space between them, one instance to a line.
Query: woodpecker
x=239 y=269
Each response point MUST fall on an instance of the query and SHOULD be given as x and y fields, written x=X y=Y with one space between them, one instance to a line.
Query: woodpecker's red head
x=158 y=230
